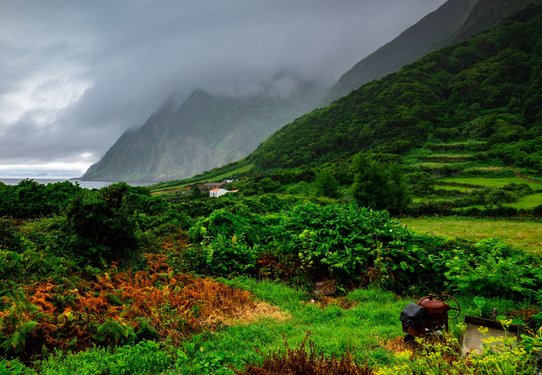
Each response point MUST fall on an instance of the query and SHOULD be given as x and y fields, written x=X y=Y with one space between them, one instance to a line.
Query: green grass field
x=527 y=202
x=462 y=189
x=459 y=144
x=491 y=182
x=453 y=155
x=364 y=323
x=521 y=234
x=240 y=170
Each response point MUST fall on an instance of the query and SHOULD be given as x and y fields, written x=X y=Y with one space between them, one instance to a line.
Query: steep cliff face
x=200 y=133
x=454 y=21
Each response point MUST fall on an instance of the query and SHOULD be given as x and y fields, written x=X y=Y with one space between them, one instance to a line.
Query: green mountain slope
x=453 y=22
x=200 y=133
x=489 y=88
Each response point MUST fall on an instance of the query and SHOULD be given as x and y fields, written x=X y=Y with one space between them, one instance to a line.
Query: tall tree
x=326 y=184
x=379 y=185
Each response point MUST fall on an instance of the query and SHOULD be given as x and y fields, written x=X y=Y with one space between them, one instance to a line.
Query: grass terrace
x=525 y=235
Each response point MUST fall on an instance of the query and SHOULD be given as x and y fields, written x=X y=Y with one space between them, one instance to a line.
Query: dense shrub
x=327 y=185
x=30 y=199
x=492 y=268
x=379 y=185
x=11 y=264
x=494 y=197
x=353 y=245
x=420 y=183
x=224 y=256
x=228 y=243
x=10 y=238
x=101 y=225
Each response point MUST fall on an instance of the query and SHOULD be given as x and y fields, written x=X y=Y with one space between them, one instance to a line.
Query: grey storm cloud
x=74 y=75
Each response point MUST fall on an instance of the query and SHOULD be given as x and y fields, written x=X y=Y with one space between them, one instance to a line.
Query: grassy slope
x=362 y=329
x=527 y=202
x=524 y=235
x=219 y=174
x=365 y=323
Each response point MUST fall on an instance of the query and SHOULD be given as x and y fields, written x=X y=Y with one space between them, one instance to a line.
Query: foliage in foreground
x=54 y=300
x=118 y=308
x=503 y=355
x=362 y=323
x=358 y=247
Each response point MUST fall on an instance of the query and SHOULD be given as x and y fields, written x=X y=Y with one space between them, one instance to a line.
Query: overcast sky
x=74 y=75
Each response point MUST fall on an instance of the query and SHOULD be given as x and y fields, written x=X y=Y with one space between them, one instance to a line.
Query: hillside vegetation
x=488 y=88
x=453 y=22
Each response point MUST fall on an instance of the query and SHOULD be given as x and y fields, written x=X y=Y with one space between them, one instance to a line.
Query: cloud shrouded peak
x=76 y=75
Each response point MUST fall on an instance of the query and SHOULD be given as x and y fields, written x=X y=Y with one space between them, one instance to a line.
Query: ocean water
x=83 y=184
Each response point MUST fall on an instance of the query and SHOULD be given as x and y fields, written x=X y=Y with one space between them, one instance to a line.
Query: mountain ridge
x=201 y=132
x=488 y=87
x=453 y=22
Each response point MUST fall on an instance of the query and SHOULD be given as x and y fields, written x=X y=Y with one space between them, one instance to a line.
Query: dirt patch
x=342 y=302
x=251 y=314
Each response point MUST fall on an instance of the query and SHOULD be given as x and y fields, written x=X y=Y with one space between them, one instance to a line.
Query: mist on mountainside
x=186 y=136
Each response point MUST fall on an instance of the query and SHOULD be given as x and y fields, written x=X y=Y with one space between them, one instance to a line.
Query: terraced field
x=464 y=169
x=494 y=182
x=527 y=202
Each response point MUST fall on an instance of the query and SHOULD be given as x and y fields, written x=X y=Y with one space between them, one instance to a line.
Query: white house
x=217 y=192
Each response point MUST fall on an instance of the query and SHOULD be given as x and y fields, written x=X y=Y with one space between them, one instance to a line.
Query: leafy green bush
x=11 y=264
x=420 y=183
x=101 y=225
x=355 y=246
x=491 y=197
x=30 y=251
x=13 y=367
x=224 y=256
x=537 y=211
x=17 y=329
x=492 y=268
x=254 y=228
x=30 y=199
x=10 y=237
x=327 y=185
